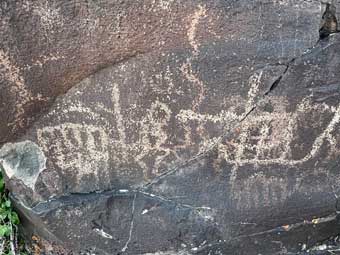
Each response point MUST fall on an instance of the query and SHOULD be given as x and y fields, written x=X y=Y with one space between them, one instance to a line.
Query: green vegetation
x=9 y=221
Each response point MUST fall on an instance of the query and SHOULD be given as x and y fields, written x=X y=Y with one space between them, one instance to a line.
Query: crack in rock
x=276 y=230
x=126 y=246
x=239 y=122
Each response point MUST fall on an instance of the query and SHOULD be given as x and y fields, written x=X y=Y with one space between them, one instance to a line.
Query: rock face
x=172 y=127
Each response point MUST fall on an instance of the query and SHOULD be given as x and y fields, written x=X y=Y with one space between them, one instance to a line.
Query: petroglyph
x=270 y=190
x=78 y=147
x=150 y=142
x=261 y=140
x=118 y=114
x=49 y=16
x=264 y=138
x=282 y=137
x=79 y=108
x=274 y=190
x=164 y=4
x=18 y=88
x=12 y=73
x=192 y=29
x=187 y=71
x=222 y=117
x=43 y=59
x=153 y=137
x=148 y=149
x=254 y=84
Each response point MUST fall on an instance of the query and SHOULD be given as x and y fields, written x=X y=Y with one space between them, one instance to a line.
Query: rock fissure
x=277 y=230
x=290 y=227
x=126 y=245
x=241 y=119
x=52 y=204
x=278 y=80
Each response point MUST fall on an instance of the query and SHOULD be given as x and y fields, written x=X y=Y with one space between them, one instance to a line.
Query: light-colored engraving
x=18 y=88
x=78 y=107
x=254 y=85
x=153 y=136
x=164 y=4
x=225 y=119
x=149 y=144
x=144 y=139
x=267 y=145
x=118 y=114
x=259 y=190
x=187 y=71
x=43 y=59
x=274 y=134
x=192 y=28
x=82 y=148
x=222 y=117
x=49 y=16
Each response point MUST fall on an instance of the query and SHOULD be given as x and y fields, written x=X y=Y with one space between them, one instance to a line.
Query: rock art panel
x=123 y=140
x=173 y=127
x=72 y=40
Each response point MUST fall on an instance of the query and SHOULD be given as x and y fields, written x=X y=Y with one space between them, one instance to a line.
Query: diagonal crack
x=290 y=227
x=198 y=156
x=126 y=246
x=236 y=126
x=239 y=122
x=168 y=200
x=277 y=230
x=278 y=80
x=78 y=198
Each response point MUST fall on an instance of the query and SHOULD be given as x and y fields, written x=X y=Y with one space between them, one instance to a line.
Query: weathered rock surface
x=217 y=134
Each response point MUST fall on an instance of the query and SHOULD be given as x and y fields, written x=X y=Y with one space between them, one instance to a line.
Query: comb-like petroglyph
x=82 y=147
x=171 y=127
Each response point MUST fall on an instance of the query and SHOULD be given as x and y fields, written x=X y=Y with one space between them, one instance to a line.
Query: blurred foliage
x=9 y=221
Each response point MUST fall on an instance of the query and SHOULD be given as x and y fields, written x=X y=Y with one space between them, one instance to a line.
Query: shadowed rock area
x=172 y=127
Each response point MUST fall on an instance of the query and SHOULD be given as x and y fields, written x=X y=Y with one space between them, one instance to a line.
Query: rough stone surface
x=171 y=127
x=23 y=161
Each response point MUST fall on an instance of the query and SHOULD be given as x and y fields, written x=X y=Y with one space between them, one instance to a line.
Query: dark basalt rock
x=212 y=128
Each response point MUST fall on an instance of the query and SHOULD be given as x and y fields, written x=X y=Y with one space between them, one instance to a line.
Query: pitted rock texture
x=48 y=46
x=172 y=127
